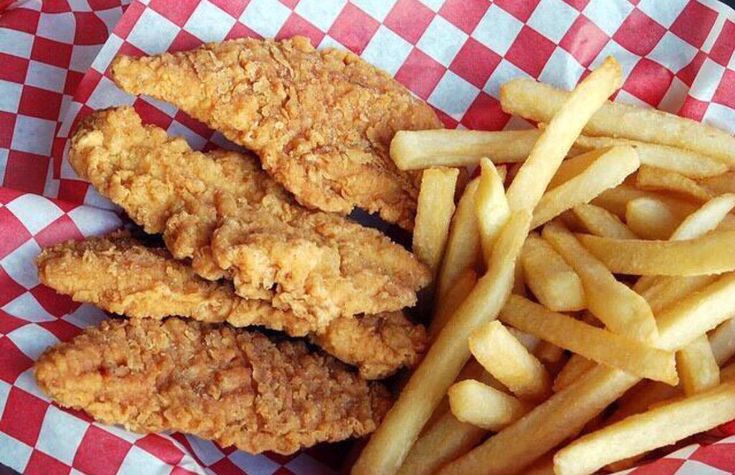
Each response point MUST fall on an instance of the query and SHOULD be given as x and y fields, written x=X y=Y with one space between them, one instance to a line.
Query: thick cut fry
x=548 y=353
x=597 y=344
x=617 y=306
x=698 y=368
x=559 y=135
x=572 y=371
x=709 y=254
x=483 y=406
x=643 y=432
x=685 y=162
x=705 y=219
x=433 y=214
x=492 y=207
x=651 y=178
x=571 y=167
x=509 y=361
x=462 y=251
x=550 y=423
x=540 y=102
x=608 y=171
x=666 y=290
x=549 y=277
x=601 y=222
x=722 y=342
x=389 y=445
x=651 y=218
x=720 y=184
x=451 y=301
x=459 y=148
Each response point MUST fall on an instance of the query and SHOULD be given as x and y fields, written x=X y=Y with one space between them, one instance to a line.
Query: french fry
x=644 y=432
x=722 y=342
x=559 y=135
x=572 y=371
x=553 y=421
x=452 y=300
x=685 y=162
x=709 y=254
x=618 y=307
x=509 y=361
x=705 y=219
x=616 y=200
x=697 y=366
x=550 y=278
x=390 y=443
x=601 y=222
x=433 y=213
x=650 y=178
x=415 y=150
x=666 y=290
x=651 y=218
x=526 y=339
x=548 y=353
x=463 y=245
x=571 y=167
x=597 y=344
x=641 y=398
x=720 y=184
x=492 y=207
x=483 y=406
x=540 y=102
x=608 y=171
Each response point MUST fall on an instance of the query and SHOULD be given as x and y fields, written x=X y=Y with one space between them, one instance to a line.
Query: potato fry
x=722 y=342
x=601 y=222
x=414 y=150
x=451 y=300
x=650 y=178
x=509 y=361
x=644 y=432
x=709 y=254
x=483 y=406
x=526 y=339
x=550 y=278
x=720 y=184
x=433 y=213
x=651 y=218
x=641 y=398
x=571 y=167
x=390 y=443
x=666 y=290
x=685 y=162
x=548 y=353
x=572 y=371
x=608 y=171
x=705 y=219
x=597 y=344
x=618 y=307
x=615 y=200
x=492 y=207
x=559 y=135
x=697 y=366
x=540 y=102
x=462 y=251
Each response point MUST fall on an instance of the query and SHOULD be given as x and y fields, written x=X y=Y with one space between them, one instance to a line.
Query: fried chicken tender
x=226 y=214
x=320 y=121
x=120 y=275
x=235 y=387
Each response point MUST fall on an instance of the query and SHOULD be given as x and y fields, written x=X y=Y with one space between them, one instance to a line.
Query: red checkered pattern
x=677 y=55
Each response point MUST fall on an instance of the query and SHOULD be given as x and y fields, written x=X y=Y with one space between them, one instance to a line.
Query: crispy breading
x=320 y=121
x=235 y=387
x=226 y=214
x=120 y=275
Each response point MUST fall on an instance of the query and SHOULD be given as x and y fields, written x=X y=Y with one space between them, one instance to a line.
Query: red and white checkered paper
x=54 y=56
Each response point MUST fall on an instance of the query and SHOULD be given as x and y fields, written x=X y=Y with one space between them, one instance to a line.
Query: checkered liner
x=677 y=55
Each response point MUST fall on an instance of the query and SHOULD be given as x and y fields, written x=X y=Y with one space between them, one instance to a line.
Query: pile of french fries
x=584 y=313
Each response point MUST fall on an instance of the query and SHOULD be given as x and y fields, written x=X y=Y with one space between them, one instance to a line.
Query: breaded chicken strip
x=120 y=275
x=320 y=121
x=235 y=387
x=234 y=221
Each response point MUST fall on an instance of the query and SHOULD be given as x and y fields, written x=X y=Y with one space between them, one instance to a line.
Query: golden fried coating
x=120 y=275
x=320 y=121
x=235 y=222
x=235 y=387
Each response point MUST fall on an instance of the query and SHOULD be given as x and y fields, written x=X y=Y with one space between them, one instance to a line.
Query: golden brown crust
x=320 y=121
x=120 y=275
x=235 y=387
x=234 y=221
